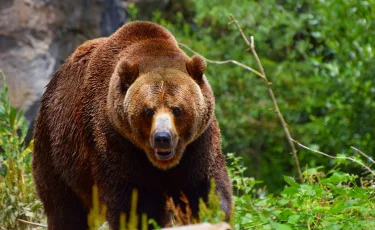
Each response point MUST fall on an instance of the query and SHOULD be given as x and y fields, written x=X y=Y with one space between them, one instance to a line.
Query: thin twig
x=270 y=91
x=32 y=223
x=333 y=157
x=223 y=62
x=363 y=154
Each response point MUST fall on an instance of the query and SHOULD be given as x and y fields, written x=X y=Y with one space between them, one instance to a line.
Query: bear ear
x=128 y=73
x=196 y=67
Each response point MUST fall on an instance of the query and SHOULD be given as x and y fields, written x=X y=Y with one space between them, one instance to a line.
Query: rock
x=36 y=36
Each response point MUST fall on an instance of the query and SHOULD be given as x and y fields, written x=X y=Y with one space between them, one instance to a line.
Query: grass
x=18 y=199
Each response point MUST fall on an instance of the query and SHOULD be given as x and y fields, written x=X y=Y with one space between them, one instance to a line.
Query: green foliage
x=133 y=219
x=325 y=201
x=18 y=199
x=97 y=215
x=211 y=212
x=132 y=11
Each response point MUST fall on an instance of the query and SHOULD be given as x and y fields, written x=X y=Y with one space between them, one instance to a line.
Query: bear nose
x=162 y=140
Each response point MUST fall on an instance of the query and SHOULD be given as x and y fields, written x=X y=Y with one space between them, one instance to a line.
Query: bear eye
x=149 y=112
x=177 y=111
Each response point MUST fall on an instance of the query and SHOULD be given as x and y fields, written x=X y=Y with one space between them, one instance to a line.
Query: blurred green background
x=319 y=56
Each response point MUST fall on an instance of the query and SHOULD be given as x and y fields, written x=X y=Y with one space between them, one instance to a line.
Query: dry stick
x=333 y=157
x=363 y=154
x=223 y=62
x=270 y=91
x=32 y=223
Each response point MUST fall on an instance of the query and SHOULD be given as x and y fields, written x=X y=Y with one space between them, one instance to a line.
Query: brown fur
x=92 y=129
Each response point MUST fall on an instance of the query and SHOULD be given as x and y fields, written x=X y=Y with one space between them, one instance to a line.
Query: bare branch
x=334 y=157
x=363 y=154
x=223 y=62
x=32 y=223
x=270 y=91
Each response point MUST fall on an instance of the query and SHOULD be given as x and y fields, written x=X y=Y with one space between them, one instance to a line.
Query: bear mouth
x=164 y=154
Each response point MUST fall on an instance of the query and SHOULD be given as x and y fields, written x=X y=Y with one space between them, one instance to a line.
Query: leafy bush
x=18 y=199
x=325 y=201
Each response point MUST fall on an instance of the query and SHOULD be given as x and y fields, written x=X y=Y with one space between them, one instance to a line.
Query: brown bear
x=131 y=111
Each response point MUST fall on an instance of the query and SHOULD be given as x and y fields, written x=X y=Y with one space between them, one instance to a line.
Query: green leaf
x=336 y=178
x=284 y=214
x=293 y=219
x=30 y=214
x=291 y=181
x=290 y=191
x=278 y=226
x=337 y=208
x=350 y=202
x=246 y=219
x=12 y=118
x=283 y=202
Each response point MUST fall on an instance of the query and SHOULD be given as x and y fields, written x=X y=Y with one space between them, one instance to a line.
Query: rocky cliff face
x=37 y=35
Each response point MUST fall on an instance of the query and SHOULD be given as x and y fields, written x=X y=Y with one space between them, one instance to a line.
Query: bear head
x=162 y=110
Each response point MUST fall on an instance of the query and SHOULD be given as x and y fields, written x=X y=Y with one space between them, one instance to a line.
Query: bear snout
x=163 y=136
x=163 y=145
x=163 y=140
